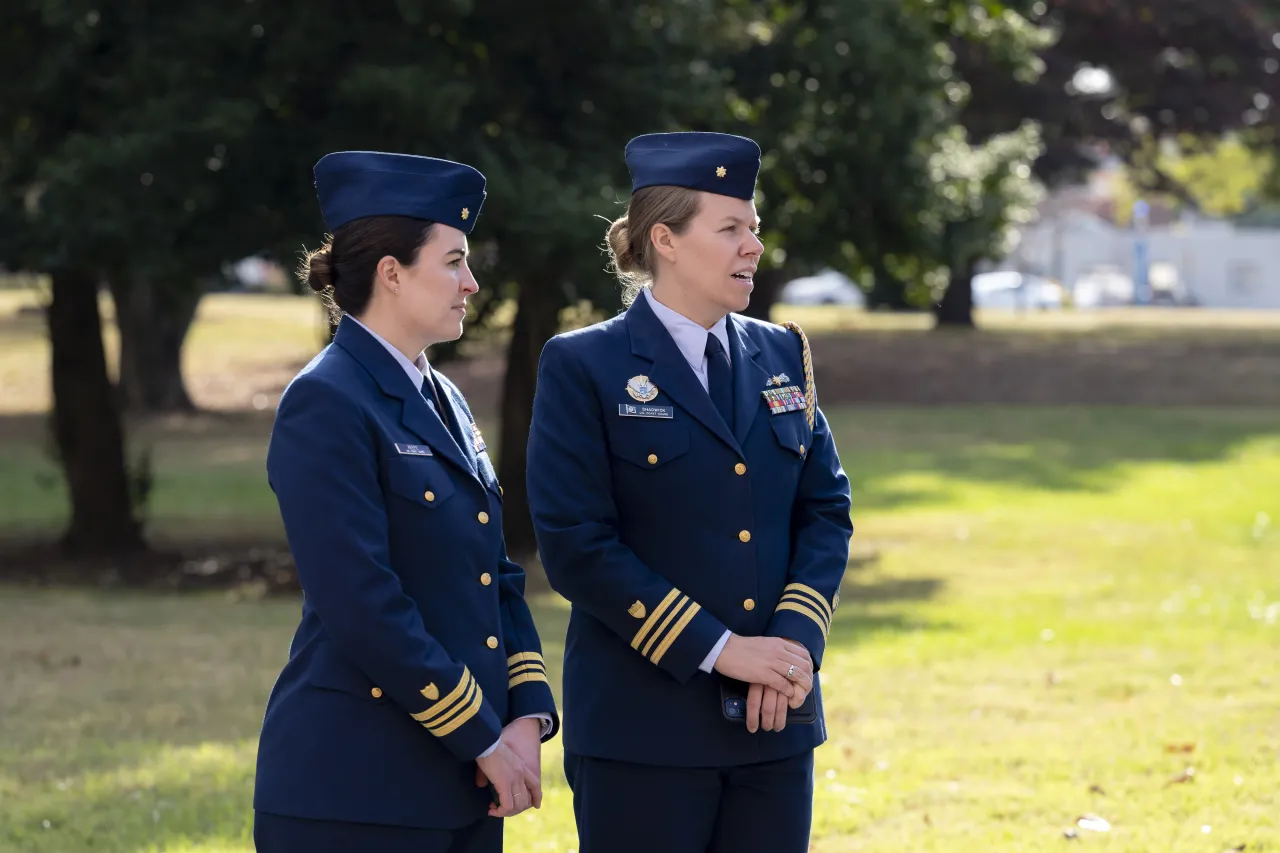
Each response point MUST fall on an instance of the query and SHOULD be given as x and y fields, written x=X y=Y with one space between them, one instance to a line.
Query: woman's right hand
x=765 y=660
x=517 y=785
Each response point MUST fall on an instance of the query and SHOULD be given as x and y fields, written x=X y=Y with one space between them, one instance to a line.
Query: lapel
x=465 y=437
x=670 y=372
x=415 y=414
x=748 y=379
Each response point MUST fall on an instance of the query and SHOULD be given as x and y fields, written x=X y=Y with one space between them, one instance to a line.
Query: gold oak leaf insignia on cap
x=637 y=610
x=466 y=211
x=721 y=171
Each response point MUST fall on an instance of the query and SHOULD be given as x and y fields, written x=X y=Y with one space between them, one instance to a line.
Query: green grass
x=1050 y=613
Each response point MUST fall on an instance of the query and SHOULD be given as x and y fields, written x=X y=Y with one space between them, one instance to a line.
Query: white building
x=1195 y=261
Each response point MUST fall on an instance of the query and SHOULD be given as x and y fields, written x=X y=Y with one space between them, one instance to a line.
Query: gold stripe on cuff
x=527 y=667
x=675 y=631
x=803 y=607
x=468 y=711
x=533 y=675
x=523 y=656
x=432 y=715
x=653 y=618
x=667 y=620
x=823 y=606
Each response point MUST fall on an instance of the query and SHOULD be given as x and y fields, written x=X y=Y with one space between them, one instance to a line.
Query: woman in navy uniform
x=689 y=502
x=413 y=705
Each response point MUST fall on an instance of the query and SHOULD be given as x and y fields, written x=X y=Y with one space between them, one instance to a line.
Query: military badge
x=637 y=610
x=641 y=389
x=477 y=439
x=782 y=400
x=780 y=379
x=431 y=692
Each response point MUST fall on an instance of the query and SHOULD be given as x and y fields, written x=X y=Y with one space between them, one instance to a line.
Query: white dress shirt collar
x=690 y=337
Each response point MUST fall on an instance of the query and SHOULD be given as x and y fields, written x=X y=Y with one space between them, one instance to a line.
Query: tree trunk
x=956 y=306
x=768 y=286
x=153 y=325
x=537 y=320
x=87 y=424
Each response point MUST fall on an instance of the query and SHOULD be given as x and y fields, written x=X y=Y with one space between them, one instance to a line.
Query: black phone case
x=733 y=704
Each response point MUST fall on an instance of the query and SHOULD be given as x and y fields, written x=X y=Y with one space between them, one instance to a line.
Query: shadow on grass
x=1059 y=449
x=869 y=608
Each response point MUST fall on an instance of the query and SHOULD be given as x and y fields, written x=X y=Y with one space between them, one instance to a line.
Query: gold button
x=486 y=579
x=745 y=536
x=739 y=469
x=802 y=450
x=492 y=642
x=748 y=605
x=653 y=460
x=377 y=692
x=484 y=517
x=430 y=496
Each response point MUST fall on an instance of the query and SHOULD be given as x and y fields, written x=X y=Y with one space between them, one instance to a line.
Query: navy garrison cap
x=712 y=162
x=353 y=184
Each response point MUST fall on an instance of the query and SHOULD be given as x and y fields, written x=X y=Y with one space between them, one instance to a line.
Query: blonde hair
x=631 y=253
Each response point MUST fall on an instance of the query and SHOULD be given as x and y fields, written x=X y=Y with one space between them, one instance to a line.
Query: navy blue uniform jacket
x=415 y=645
x=664 y=531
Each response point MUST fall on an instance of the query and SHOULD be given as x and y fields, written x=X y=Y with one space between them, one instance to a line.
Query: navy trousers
x=621 y=807
x=279 y=834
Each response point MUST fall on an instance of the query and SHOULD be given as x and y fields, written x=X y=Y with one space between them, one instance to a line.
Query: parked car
x=828 y=287
x=1010 y=289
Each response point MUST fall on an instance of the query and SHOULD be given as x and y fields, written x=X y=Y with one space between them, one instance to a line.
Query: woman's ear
x=664 y=242
x=388 y=274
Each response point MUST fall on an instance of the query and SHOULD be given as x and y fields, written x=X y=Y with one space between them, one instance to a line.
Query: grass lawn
x=1052 y=613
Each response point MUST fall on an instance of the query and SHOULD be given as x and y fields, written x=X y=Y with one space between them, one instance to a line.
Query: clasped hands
x=514 y=768
x=763 y=663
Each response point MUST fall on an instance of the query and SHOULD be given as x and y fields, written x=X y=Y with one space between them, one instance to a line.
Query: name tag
x=414 y=450
x=628 y=410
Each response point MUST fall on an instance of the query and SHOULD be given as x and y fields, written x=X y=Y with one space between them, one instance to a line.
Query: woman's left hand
x=525 y=739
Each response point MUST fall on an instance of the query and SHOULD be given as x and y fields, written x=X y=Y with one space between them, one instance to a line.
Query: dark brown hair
x=631 y=253
x=342 y=270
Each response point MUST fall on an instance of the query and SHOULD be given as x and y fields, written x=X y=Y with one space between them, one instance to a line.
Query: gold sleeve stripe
x=653 y=618
x=667 y=620
x=527 y=667
x=466 y=711
x=526 y=677
x=675 y=631
x=432 y=715
x=523 y=656
x=805 y=609
x=806 y=601
x=812 y=593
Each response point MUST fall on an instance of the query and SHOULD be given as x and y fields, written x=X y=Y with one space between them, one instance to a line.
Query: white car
x=1011 y=290
x=825 y=288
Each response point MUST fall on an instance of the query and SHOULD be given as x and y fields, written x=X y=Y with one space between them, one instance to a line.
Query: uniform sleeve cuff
x=678 y=635
x=804 y=616
x=463 y=721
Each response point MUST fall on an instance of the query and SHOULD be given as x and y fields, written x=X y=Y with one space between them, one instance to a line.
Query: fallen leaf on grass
x=1093 y=823
x=1185 y=776
x=1180 y=747
x=1239 y=848
x=1097 y=789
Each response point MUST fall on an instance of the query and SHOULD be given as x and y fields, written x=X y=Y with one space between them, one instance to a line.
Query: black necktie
x=720 y=378
x=430 y=385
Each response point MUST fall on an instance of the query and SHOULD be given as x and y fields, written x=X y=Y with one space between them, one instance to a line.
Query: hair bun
x=621 y=255
x=318 y=268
